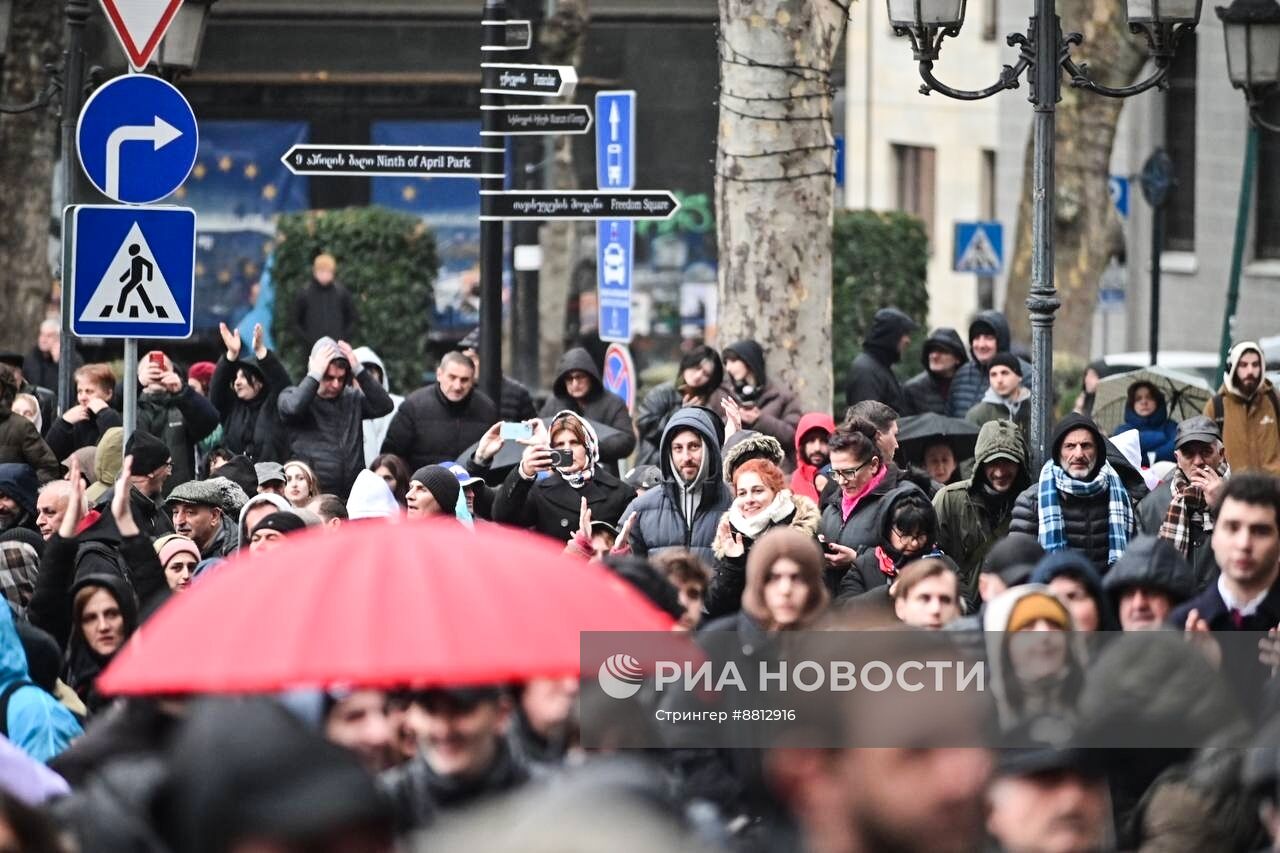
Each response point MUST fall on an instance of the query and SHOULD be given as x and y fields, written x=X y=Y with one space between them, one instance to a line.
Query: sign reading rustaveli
x=847 y=688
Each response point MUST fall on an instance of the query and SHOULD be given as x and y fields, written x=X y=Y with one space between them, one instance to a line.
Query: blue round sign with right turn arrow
x=137 y=139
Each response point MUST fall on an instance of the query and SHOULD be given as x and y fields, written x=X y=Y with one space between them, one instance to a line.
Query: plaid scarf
x=1187 y=511
x=1053 y=528
x=19 y=564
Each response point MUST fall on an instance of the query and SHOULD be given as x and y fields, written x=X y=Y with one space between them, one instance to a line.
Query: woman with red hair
x=761 y=503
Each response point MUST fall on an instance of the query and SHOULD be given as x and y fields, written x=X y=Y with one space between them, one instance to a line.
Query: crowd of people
x=743 y=516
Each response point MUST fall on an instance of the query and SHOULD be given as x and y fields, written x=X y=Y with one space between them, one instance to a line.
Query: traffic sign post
x=137 y=139
x=140 y=26
x=515 y=35
x=620 y=374
x=132 y=272
x=551 y=205
x=616 y=140
x=537 y=120
x=374 y=160
x=615 y=238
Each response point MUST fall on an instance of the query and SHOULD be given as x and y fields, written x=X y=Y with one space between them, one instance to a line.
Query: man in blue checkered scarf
x=1079 y=502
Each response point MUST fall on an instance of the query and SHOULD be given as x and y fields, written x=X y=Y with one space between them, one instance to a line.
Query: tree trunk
x=1088 y=230
x=28 y=144
x=561 y=42
x=775 y=185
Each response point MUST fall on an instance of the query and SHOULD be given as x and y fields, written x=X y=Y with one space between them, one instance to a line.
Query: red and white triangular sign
x=140 y=25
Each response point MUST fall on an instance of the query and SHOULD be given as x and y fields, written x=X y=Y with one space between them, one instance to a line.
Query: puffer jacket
x=925 y=392
x=429 y=428
x=970 y=381
x=1150 y=514
x=1085 y=518
x=871 y=375
x=970 y=518
x=180 y=421
x=656 y=411
x=1151 y=563
x=724 y=593
x=780 y=411
x=250 y=427
x=601 y=406
x=328 y=434
x=1250 y=426
x=660 y=522
x=375 y=429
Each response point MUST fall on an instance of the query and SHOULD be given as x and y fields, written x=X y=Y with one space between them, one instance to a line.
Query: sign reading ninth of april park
x=419 y=161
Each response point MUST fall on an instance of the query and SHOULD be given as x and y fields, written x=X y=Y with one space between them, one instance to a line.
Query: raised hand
x=120 y=507
x=259 y=342
x=536 y=458
x=730 y=542
x=319 y=361
x=622 y=545
x=76 y=414
x=489 y=445
x=71 y=519
x=584 y=519
x=732 y=417
x=231 y=340
x=349 y=354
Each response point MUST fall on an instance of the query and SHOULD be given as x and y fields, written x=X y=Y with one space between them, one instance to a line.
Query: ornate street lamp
x=1044 y=53
x=181 y=45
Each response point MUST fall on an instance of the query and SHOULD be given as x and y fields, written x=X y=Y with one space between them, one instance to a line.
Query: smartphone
x=511 y=431
x=561 y=458
x=826 y=546
x=156 y=358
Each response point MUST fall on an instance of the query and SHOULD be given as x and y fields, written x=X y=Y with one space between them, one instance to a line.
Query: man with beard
x=812 y=452
x=974 y=514
x=1247 y=410
x=464 y=756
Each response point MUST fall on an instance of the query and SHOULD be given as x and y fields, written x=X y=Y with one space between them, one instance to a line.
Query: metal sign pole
x=130 y=387
x=491 y=235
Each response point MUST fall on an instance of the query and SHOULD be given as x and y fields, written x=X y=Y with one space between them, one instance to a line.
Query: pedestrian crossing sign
x=132 y=270
x=979 y=247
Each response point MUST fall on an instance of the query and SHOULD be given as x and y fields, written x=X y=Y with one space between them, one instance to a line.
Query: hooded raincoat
x=972 y=516
x=600 y=405
x=250 y=427
x=871 y=375
x=926 y=392
x=676 y=514
x=802 y=481
x=779 y=409
x=375 y=429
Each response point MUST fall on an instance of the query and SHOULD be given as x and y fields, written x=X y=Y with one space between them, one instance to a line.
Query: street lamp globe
x=180 y=48
x=1171 y=12
x=1252 y=32
x=921 y=15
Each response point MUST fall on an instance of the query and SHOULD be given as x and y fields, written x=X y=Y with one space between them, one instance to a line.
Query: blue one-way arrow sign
x=137 y=139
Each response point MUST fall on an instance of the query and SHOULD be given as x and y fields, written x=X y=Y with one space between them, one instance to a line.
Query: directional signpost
x=516 y=35
x=538 y=120
x=374 y=160
x=140 y=25
x=552 y=205
x=539 y=81
x=137 y=139
x=615 y=238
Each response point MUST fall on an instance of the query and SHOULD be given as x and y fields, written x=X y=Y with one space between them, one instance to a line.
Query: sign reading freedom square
x=584 y=204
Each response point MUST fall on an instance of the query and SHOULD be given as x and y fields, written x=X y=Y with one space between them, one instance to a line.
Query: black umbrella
x=917 y=432
x=509 y=456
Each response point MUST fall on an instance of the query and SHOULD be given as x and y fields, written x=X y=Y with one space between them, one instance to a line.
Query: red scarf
x=887 y=567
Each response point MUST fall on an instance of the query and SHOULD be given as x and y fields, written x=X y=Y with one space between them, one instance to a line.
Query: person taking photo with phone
x=568 y=454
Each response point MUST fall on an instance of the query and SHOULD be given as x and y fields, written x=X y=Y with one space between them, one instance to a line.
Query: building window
x=1267 y=237
x=914 y=171
x=1180 y=142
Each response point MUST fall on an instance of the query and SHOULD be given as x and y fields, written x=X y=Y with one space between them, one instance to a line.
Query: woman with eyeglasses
x=849 y=513
x=908 y=529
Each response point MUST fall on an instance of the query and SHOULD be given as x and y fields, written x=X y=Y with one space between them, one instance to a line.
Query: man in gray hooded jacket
x=323 y=414
x=685 y=509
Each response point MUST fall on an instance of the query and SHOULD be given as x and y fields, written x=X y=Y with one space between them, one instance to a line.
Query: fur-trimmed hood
x=749 y=444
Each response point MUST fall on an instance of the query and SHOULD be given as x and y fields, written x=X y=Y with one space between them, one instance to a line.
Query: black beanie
x=284 y=521
x=149 y=453
x=1005 y=359
x=442 y=484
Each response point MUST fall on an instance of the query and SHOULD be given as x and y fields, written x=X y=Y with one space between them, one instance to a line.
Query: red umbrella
x=380 y=604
